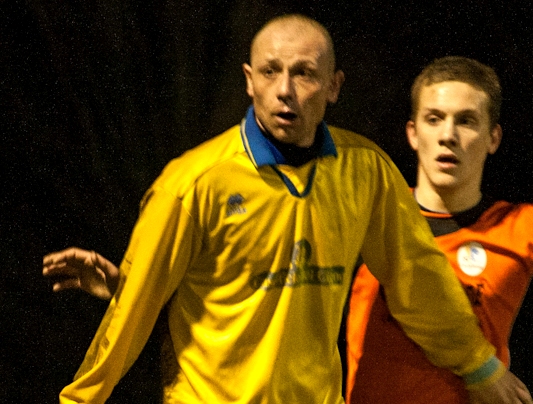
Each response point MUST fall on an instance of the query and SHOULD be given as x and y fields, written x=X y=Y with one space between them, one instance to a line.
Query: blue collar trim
x=262 y=152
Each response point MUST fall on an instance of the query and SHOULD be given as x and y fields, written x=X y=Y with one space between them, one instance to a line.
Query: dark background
x=96 y=96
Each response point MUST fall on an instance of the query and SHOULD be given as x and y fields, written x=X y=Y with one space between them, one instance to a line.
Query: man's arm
x=508 y=389
x=163 y=243
x=74 y=268
x=426 y=298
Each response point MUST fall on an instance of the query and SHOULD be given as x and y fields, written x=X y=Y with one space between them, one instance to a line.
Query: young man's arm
x=74 y=268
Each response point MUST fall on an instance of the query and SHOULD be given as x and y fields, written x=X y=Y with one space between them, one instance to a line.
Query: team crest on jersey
x=235 y=205
x=472 y=258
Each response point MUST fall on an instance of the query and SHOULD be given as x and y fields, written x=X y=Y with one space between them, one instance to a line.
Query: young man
x=453 y=128
x=249 y=241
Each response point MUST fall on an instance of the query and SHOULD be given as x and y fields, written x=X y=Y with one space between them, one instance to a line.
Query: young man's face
x=452 y=136
x=291 y=79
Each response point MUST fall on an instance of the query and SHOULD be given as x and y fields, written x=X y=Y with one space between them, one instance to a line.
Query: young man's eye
x=432 y=119
x=467 y=121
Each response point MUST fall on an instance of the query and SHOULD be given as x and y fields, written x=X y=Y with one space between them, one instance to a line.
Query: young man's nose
x=448 y=135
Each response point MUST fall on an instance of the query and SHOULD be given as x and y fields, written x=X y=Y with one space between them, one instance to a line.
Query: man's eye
x=268 y=72
x=467 y=121
x=432 y=120
x=305 y=73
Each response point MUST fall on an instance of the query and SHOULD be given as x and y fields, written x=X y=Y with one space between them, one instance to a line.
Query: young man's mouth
x=447 y=161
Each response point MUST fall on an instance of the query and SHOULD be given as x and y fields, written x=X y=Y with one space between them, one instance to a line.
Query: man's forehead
x=452 y=92
x=283 y=40
x=287 y=53
x=290 y=27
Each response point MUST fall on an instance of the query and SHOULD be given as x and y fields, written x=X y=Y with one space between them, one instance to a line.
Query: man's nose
x=285 y=86
x=449 y=135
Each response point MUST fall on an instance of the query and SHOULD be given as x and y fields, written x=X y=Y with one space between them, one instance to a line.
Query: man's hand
x=75 y=268
x=509 y=389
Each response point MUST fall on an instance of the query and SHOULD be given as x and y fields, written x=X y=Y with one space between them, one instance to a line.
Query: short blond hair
x=463 y=69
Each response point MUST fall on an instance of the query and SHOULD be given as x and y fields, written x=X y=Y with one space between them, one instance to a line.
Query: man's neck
x=296 y=155
x=446 y=200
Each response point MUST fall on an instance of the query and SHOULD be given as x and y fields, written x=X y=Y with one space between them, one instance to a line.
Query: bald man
x=249 y=242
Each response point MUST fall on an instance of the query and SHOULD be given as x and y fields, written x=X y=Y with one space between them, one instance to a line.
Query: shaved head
x=300 y=24
x=291 y=78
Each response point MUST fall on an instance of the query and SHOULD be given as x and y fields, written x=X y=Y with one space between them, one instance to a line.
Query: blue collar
x=262 y=152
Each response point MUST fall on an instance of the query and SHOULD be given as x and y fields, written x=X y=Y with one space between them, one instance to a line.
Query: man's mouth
x=447 y=161
x=287 y=116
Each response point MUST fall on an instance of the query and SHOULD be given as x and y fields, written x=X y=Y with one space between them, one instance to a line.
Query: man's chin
x=284 y=136
x=447 y=185
x=292 y=137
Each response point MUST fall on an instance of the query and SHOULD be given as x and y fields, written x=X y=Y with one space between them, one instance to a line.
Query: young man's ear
x=247 y=69
x=335 y=86
x=412 y=137
x=495 y=138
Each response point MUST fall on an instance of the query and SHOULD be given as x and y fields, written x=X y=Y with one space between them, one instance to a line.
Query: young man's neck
x=446 y=200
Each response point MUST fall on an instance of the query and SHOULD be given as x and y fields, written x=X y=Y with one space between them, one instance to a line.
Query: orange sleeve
x=363 y=294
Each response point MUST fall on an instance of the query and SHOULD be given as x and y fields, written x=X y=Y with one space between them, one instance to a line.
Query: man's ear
x=495 y=138
x=412 y=138
x=247 y=69
x=335 y=86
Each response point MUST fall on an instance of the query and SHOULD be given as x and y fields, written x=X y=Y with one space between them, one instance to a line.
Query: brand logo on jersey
x=472 y=258
x=300 y=272
x=235 y=205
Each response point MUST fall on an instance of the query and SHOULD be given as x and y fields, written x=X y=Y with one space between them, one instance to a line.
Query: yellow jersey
x=254 y=258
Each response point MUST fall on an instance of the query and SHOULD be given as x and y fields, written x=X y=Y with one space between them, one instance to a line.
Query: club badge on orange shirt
x=472 y=258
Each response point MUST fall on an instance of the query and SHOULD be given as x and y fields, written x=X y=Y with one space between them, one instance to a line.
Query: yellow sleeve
x=160 y=250
x=423 y=293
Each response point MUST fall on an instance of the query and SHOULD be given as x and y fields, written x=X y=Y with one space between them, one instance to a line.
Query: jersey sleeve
x=160 y=250
x=422 y=292
x=527 y=234
x=363 y=294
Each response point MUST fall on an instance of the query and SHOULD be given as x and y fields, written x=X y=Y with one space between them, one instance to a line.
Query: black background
x=98 y=95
